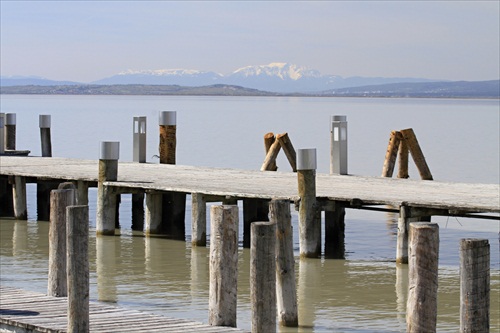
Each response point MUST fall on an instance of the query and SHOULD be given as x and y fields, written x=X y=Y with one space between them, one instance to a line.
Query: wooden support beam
x=335 y=232
x=402 y=236
x=403 y=160
x=19 y=198
x=198 y=219
x=43 y=188
x=6 y=197
x=270 y=160
x=138 y=211
x=153 y=212
x=391 y=154
x=287 y=146
x=253 y=210
x=416 y=153
x=269 y=139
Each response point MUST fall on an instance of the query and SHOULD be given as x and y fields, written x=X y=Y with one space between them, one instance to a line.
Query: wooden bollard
x=10 y=131
x=77 y=224
x=106 y=197
x=263 y=277
x=474 y=285
x=198 y=219
x=335 y=232
x=286 y=288
x=223 y=265
x=421 y=309
x=309 y=216
x=19 y=198
x=59 y=200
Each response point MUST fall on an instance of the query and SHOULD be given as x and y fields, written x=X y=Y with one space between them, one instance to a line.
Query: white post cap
x=110 y=150
x=168 y=118
x=10 y=119
x=44 y=120
x=306 y=159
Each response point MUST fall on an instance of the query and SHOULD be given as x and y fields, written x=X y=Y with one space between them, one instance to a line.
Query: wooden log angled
x=270 y=159
x=391 y=154
x=269 y=139
x=474 y=285
x=287 y=146
x=416 y=153
x=403 y=160
x=286 y=289
x=421 y=310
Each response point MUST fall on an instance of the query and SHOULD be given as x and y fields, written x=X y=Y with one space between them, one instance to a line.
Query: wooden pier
x=26 y=311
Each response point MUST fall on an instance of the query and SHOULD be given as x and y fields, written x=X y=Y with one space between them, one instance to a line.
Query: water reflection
x=107 y=253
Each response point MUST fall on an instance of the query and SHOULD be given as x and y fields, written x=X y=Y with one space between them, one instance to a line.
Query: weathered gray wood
x=263 y=277
x=153 y=212
x=77 y=222
x=253 y=210
x=402 y=236
x=335 y=232
x=286 y=289
x=474 y=285
x=403 y=160
x=57 y=279
x=271 y=155
x=309 y=216
x=269 y=139
x=43 y=188
x=287 y=146
x=19 y=198
x=198 y=220
x=421 y=310
x=46 y=142
x=416 y=153
x=223 y=265
x=106 y=198
x=82 y=193
x=391 y=154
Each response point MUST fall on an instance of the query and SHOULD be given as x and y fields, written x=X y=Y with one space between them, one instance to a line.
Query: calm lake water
x=364 y=293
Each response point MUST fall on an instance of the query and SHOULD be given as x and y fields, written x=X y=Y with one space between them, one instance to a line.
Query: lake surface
x=364 y=293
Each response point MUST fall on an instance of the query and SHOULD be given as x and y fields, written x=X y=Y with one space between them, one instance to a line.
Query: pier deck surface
x=35 y=312
x=462 y=197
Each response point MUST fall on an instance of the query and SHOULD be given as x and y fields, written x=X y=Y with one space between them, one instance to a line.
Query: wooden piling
x=263 y=277
x=57 y=279
x=153 y=212
x=403 y=160
x=6 y=197
x=198 y=219
x=402 y=235
x=78 y=268
x=106 y=196
x=309 y=215
x=82 y=193
x=10 y=131
x=286 y=289
x=223 y=265
x=43 y=188
x=287 y=146
x=391 y=154
x=19 y=198
x=254 y=209
x=335 y=232
x=138 y=211
x=474 y=285
x=417 y=154
x=421 y=310
x=269 y=140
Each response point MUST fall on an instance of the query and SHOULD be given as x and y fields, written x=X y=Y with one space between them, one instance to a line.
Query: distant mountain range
x=271 y=79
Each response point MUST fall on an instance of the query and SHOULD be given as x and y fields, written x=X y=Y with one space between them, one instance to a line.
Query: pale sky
x=89 y=40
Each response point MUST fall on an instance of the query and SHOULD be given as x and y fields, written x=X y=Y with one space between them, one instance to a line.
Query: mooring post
x=402 y=236
x=421 y=309
x=139 y=156
x=338 y=151
x=286 y=289
x=223 y=265
x=59 y=200
x=10 y=131
x=77 y=220
x=474 y=285
x=335 y=232
x=44 y=124
x=309 y=215
x=254 y=209
x=2 y=130
x=174 y=203
x=263 y=277
x=106 y=196
x=19 y=198
x=198 y=219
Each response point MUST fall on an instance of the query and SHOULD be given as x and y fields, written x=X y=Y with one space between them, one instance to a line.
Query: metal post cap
x=306 y=159
x=44 y=120
x=168 y=118
x=339 y=118
x=10 y=119
x=110 y=150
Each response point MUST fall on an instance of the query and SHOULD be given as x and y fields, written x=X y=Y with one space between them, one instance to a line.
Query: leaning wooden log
x=391 y=154
x=416 y=154
x=403 y=160
x=287 y=146
x=270 y=159
x=269 y=139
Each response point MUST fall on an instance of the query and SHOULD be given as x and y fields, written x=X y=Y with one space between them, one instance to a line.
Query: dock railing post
x=263 y=277
x=106 y=196
x=139 y=156
x=174 y=203
x=77 y=225
x=10 y=131
x=474 y=285
x=223 y=265
x=60 y=199
x=309 y=215
x=338 y=152
x=421 y=309
x=286 y=288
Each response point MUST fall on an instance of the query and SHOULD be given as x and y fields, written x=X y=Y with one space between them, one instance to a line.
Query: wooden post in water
x=198 y=219
x=106 y=196
x=402 y=236
x=153 y=212
x=19 y=198
x=309 y=215
x=416 y=153
x=391 y=154
x=2 y=133
x=77 y=220
x=474 y=285
x=335 y=232
x=174 y=203
x=59 y=200
x=223 y=265
x=82 y=193
x=263 y=277
x=139 y=156
x=421 y=310
x=286 y=290
x=254 y=209
x=10 y=131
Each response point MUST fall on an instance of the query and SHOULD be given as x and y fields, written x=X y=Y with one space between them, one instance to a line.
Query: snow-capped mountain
x=280 y=70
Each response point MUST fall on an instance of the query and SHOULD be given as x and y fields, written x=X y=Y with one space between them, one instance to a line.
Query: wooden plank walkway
x=36 y=312
x=455 y=197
